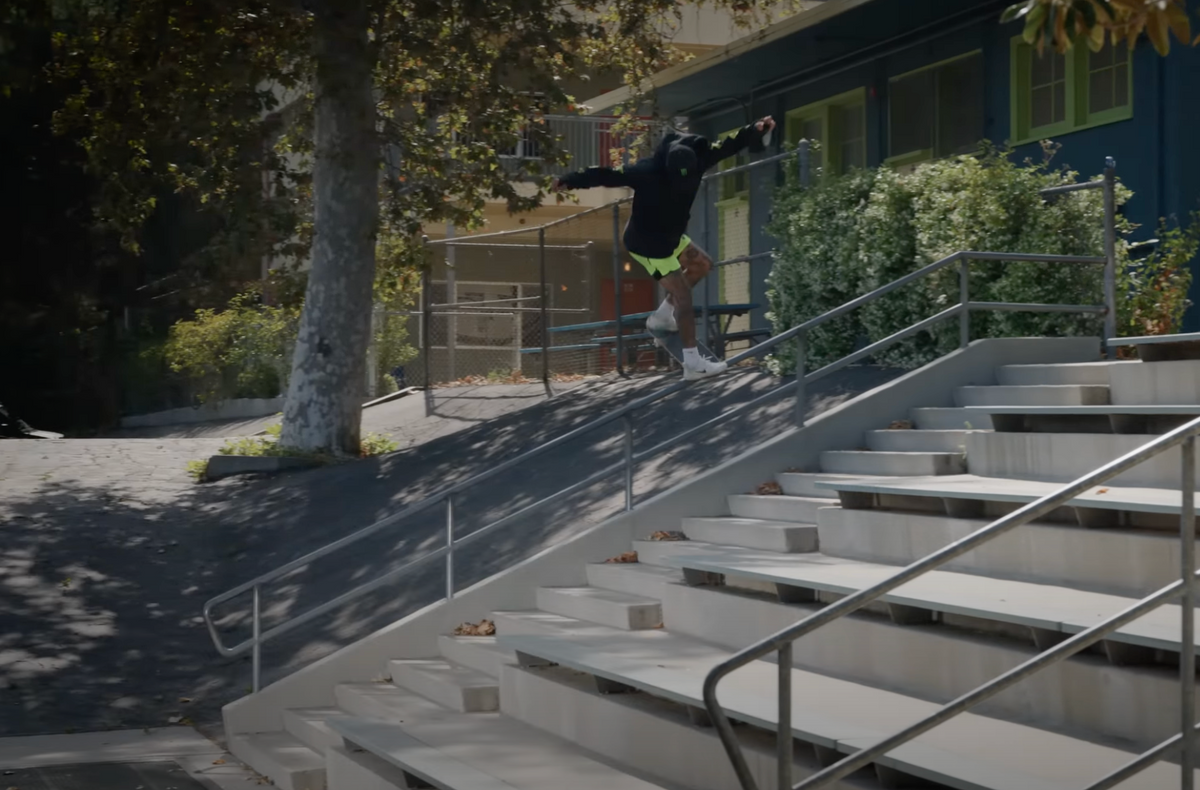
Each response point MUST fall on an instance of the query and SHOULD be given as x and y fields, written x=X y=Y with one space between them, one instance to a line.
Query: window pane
x=1120 y=54
x=1121 y=85
x=852 y=121
x=1060 y=102
x=811 y=129
x=960 y=111
x=1047 y=67
x=1100 y=90
x=911 y=114
x=1042 y=107
x=854 y=154
x=1102 y=58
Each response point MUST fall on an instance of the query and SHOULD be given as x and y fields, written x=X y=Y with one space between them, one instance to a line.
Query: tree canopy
x=1061 y=23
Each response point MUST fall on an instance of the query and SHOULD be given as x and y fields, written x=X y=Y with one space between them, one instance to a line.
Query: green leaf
x=1033 y=24
x=1017 y=10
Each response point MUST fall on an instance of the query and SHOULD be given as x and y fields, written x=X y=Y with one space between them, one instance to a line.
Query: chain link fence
x=542 y=304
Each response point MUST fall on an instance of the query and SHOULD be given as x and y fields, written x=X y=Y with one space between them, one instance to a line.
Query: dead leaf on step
x=627 y=557
x=901 y=425
x=769 y=489
x=1102 y=491
x=666 y=536
x=482 y=628
x=218 y=762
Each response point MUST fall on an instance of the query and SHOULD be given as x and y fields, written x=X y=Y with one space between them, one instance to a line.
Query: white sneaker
x=657 y=322
x=706 y=368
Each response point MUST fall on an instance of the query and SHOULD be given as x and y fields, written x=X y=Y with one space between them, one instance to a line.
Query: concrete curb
x=228 y=465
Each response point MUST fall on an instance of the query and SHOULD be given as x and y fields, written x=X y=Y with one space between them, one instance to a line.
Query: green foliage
x=378 y=444
x=852 y=234
x=242 y=351
x=1152 y=292
x=197 y=470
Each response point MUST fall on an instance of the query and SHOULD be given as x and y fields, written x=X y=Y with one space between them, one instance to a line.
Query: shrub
x=854 y=233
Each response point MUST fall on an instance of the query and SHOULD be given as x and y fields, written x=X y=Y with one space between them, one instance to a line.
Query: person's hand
x=765 y=125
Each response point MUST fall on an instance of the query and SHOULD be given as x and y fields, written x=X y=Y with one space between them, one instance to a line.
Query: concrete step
x=311 y=726
x=1088 y=698
x=864 y=462
x=1147 y=420
x=457 y=687
x=616 y=609
x=1036 y=395
x=633 y=578
x=1067 y=373
x=917 y=441
x=497 y=746
x=480 y=653
x=1067 y=457
x=534 y=622
x=964 y=492
x=1148 y=383
x=647 y=735
x=802 y=510
x=1133 y=563
x=1043 y=607
x=361 y=770
x=976 y=752
x=805 y=483
x=949 y=419
x=784 y=536
x=281 y=757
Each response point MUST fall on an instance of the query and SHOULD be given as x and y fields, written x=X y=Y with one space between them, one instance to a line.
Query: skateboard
x=673 y=345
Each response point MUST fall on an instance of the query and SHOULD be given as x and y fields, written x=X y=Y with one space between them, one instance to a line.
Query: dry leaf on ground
x=482 y=628
x=901 y=425
x=663 y=536
x=1102 y=491
x=629 y=556
x=769 y=489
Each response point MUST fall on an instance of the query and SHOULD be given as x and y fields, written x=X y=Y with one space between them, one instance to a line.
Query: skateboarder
x=664 y=186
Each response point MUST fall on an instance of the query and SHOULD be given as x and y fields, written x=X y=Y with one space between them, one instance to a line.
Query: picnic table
x=720 y=316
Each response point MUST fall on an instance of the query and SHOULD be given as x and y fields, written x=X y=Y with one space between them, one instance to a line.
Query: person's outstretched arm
x=629 y=176
x=748 y=137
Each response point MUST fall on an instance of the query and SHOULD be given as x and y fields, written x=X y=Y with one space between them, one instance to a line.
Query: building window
x=839 y=124
x=936 y=111
x=1057 y=94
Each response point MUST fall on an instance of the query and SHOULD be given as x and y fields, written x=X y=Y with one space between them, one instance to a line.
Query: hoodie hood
x=676 y=147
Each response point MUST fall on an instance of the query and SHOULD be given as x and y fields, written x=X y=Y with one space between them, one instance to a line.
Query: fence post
x=628 y=420
x=545 y=322
x=802 y=162
x=425 y=327
x=451 y=299
x=616 y=257
x=1110 y=253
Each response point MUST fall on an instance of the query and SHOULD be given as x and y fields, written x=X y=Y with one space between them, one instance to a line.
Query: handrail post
x=450 y=547
x=801 y=374
x=616 y=257
x=1110 y=253
x=783 y=736
x=964 y=296
x=545 y=321
x=1187 y=607
x=256 y=655
x=708 y=208
x=628 y=420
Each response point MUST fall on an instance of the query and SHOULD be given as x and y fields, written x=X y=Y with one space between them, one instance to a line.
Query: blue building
x=902 y=82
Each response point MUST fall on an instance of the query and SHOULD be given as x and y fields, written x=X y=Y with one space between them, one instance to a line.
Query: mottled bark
x=325 y=393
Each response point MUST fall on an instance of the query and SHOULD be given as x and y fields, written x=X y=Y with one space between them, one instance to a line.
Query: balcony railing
x=589 y=141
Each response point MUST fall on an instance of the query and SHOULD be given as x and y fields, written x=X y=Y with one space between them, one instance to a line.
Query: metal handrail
x=798 y=386
x=625 y=413
x=1185 y=589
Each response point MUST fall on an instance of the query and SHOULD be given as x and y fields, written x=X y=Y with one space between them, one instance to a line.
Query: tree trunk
x=325 y=393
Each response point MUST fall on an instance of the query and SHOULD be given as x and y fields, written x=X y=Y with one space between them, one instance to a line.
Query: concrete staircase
x=598 y=685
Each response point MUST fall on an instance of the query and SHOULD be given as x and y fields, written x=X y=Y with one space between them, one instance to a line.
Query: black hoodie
x=662 y=198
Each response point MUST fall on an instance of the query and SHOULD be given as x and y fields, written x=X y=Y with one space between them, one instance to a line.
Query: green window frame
x=839 y=124
x=737 y=185
x=939 y=82
x=1097 y=89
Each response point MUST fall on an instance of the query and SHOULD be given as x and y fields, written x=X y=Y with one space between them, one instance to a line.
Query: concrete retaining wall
x=236 y=409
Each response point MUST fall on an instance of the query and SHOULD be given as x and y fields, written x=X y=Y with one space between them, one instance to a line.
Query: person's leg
x=695 y=265
x=679 y=293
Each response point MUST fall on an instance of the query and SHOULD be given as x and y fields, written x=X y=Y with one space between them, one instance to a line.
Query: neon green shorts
x=661 y=267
